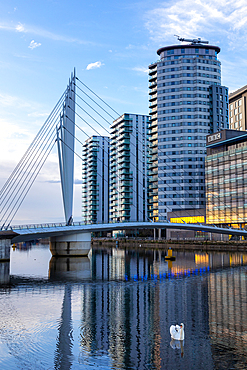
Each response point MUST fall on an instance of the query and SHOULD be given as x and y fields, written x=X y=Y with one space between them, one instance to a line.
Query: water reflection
x=63 y=354
x=227 y=316
x=133 y=265
x=178 y=344
x=114 y=310
x=72 y=268
x=4 y=273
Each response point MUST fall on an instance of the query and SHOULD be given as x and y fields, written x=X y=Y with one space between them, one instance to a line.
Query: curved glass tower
x=184 y=87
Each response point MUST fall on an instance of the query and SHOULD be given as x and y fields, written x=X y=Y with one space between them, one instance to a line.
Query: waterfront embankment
x=185 y=245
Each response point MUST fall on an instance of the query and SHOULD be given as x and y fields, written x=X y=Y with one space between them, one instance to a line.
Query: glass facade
x=226 y=182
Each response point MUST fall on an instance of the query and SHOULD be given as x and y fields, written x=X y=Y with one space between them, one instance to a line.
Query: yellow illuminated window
x=188 y=220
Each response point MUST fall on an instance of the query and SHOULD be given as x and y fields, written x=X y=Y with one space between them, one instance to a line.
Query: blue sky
x=111 y=44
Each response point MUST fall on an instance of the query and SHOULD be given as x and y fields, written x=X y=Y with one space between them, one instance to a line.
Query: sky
x=110 y=43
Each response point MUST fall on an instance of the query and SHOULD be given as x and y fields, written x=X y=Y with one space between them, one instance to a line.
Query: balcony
x=123 y=142
x=153 y=104
x=125 y=183
x=124 y=162
x=152 y=92
x=124 y=148
x=153 y=97
x=125 y=129
x=153 y=151
x=152 y=69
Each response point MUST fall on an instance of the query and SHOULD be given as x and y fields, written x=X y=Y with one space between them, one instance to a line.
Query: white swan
x=177 y=332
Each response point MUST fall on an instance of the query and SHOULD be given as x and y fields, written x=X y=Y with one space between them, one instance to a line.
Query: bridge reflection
x=129 y=298
x=118 y=319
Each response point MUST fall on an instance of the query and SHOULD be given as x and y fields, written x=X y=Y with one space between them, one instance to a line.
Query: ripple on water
x=29 y=327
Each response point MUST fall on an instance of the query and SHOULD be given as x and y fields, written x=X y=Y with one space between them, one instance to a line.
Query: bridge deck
x=25 y=233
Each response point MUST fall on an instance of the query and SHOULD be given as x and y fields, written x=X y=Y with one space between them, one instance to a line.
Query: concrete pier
x=71 y=245
x=5 y=245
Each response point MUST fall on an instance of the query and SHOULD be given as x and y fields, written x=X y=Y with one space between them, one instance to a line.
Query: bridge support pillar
x=71 y=245
x=5 y=250
x=159 y=234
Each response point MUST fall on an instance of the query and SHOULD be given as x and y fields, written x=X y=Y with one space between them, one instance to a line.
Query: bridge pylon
x=66 y=144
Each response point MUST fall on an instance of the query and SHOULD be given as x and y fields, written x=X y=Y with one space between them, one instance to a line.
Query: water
x=114 y=309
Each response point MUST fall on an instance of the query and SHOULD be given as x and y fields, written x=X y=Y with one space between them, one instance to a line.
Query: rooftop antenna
x=197 y=41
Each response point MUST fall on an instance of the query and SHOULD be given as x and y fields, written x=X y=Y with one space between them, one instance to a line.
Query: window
x=196 y=50
x=182 y=51
x=206 y=51
x=169 y=52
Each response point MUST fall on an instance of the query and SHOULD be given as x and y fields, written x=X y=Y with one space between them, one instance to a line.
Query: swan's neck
x=181 y=333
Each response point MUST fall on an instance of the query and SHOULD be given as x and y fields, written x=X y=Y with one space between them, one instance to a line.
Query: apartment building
x=185 y=96
x=95 y=179
x=128 y=168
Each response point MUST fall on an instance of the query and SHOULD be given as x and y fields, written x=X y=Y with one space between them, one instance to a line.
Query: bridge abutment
x=71 y=245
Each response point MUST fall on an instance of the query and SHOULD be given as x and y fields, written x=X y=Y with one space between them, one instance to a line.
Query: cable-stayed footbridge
x=59 y=130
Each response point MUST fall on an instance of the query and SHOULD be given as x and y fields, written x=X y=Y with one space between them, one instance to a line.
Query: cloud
x=29 y=29
x=140 y=69
x=37 y=114
x=34 y=44
x=20 y=28
x=14 y=101
x=94 y=65
x=192 y=18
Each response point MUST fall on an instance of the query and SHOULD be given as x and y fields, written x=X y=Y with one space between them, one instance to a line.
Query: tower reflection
x=63 y=355
x=132 y=298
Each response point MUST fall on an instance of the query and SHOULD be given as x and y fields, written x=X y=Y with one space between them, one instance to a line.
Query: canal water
x=114 y=310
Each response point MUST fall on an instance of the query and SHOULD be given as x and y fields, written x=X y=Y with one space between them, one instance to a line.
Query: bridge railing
x=63 y=224
x=81 y=223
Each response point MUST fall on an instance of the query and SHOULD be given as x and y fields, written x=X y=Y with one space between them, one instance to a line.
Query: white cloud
x=195 y=18
x=34 y=44
x=94 y=65
x=14 y=101
x=37 y=114
x=42 y=33
x=140 y=69
x=20 y=28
